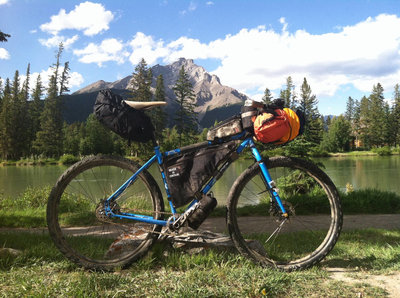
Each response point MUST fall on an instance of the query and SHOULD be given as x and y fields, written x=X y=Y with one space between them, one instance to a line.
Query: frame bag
x=129 y=123
x=187 y=173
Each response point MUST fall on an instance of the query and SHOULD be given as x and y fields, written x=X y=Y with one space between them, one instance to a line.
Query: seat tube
x=160 y=162
x=267 y=177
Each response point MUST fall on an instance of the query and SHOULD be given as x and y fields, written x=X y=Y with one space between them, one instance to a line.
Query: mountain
x=212 y=98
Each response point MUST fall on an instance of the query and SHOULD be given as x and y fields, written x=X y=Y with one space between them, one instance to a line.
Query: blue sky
x=343 y=48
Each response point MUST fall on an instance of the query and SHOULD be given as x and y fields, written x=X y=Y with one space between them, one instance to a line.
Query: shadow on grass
x=370 y=249
x=23 y=220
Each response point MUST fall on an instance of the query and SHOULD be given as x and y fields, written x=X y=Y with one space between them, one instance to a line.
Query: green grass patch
x=370 y=201
x=40 y=270
x=29 y=208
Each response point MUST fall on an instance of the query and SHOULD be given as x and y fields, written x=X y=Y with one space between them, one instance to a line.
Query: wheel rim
x=270 y=238
x=86 y=232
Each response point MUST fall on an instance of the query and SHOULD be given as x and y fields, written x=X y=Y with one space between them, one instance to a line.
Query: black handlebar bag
x=129 y=123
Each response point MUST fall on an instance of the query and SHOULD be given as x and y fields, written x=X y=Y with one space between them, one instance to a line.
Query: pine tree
x=24 y=136
x=14 y=114
x=377 y=116
x=288 y=94
x=388 y=126
x=364 y=122
x=267 y=98
x=1 y=92
x=309 y=106
x=140 y=85
x=185 y=116
x=36 y=107
x=5 y=123
x=25 y=87
x=349 y=114
x=64 y=80
x=356 y=123
x=49 y=139
x=396 y=114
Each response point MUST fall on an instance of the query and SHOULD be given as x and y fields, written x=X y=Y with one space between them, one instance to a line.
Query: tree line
x=368 y=123
x=32 y=125
x=31 y=122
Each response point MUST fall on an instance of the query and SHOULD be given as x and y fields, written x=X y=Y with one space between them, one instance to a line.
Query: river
x=361 y=172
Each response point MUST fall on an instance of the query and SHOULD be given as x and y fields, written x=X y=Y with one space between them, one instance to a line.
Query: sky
x=343 y=47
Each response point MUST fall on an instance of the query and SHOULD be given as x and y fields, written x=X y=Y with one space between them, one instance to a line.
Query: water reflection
x=361 y=172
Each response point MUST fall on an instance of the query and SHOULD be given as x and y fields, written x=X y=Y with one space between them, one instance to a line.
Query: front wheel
x=260 y=231
x=78 y=222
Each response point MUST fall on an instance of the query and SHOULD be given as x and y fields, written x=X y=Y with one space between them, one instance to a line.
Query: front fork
x=269 y=183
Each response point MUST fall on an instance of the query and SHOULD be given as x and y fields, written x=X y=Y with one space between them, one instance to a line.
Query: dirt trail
x=391 y=283
x=350 y=222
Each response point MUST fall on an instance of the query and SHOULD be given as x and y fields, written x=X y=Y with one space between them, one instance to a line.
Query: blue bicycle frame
x=159 y=158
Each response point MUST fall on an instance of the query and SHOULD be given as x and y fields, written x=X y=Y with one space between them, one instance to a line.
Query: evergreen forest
x=32 y=125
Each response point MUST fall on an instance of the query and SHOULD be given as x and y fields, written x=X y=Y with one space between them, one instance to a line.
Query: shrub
x=382 y=151
x=68 y=159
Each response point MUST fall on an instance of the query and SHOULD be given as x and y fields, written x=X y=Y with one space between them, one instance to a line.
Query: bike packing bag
x=248 y=115
x=280 y=127
x=129 y=123
x=187 y=173
x=225 y=129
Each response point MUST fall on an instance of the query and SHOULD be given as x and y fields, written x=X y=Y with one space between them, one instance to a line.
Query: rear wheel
x=258 y=228
x=77 y=220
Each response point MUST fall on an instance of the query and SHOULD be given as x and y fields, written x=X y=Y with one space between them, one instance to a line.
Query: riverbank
x=68 y=159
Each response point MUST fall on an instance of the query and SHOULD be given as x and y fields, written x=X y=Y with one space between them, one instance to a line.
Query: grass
x=42 y=271
x=29 y=208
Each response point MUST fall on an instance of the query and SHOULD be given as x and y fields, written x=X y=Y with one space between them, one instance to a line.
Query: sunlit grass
x=40 y=270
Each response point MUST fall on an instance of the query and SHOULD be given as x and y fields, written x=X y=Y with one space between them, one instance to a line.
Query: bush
x=31 y=198
x=67 y=159
x=382 y=151
x=370 y=201
x=318 y=152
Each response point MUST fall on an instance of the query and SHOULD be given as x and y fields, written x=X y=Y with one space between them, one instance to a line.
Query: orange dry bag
x=280 y=128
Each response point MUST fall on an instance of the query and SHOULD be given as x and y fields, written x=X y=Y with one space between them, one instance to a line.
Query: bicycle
x=292 y=202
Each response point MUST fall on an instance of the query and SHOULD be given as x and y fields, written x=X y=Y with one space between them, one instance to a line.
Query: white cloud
x=75 y=80
x=258 y=58
x=56 y=40
x=91 y=18
x=4 y=55
x=2 y=2
x=109 y=50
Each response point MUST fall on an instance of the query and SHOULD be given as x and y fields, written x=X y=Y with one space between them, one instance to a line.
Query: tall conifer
x=49 y=139
x=5 y=122
x=289 y=94
x=185 y=116
x=140 y=85
x=309 y=106
x=267 y=98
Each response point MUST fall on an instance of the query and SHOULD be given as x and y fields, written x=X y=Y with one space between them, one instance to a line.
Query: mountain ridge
x=210 y=93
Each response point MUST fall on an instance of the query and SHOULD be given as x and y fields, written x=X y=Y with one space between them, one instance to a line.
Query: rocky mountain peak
x=210 y=93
